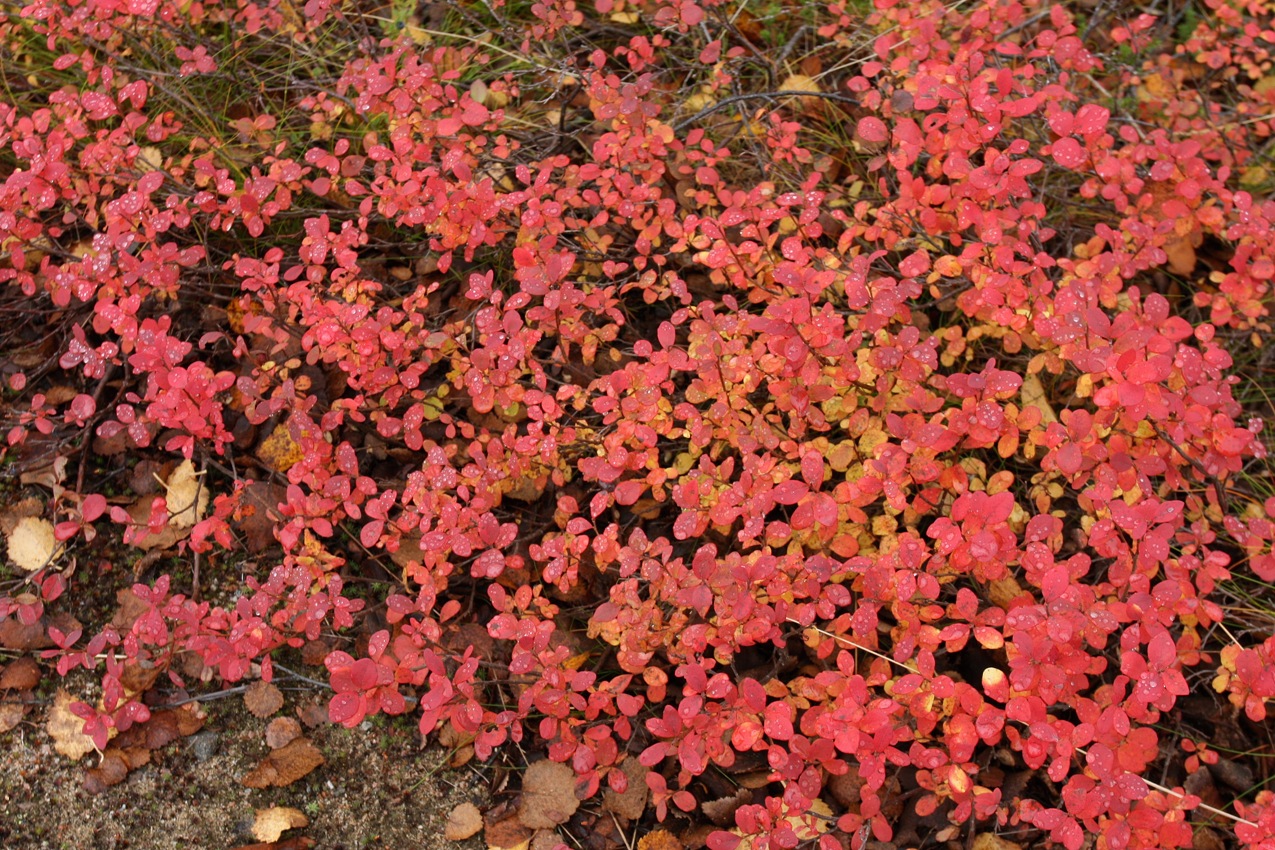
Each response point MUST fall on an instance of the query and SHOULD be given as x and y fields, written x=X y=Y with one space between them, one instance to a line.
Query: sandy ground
x=377 y=789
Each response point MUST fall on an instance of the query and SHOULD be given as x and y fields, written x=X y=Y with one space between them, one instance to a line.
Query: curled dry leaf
x=186 y=496
x=508 y=834
x=114 y=767
x=548 y=795
x=32 y=544
x=263 y=699
x=300 y=842
x=275 y=821
x=165 y=726
x=112 y=770
x=16 y=681
x=285 y=765
x=464 y=821
x=67 y=729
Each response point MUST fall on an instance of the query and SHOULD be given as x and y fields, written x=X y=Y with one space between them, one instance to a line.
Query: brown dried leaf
x=632 y=802
x=136 y=757
x=116 y=444
x=135 y=678
x=10 y=715
x=281 y=732
x=548 y=795
x=313 y=713
x=464 y=821
x=275 y=821
x=166 y=726
x=461 y=756
x=258 y=514
x=140 y=513
x=546 y=839
x=19 y=511
x=1181 y=256
x=285 y=765
x=409 y=551
x=722 y=811
x=21 y=675
x=262 y=699
x=1205 y=838
x=14 y=635
x=131 y=607
x=66 y=729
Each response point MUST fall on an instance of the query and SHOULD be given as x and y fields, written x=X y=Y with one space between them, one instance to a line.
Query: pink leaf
x=1091 y=119
x=1068 y=153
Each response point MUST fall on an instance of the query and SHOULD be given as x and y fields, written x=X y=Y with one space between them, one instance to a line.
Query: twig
x=299 y=677
x=228 y=692
x=764 y=95
x=1212 y=479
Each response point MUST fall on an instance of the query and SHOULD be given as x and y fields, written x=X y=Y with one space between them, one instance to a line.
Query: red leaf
x=872 y=130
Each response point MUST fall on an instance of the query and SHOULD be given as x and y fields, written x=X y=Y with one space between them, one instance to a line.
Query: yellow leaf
x=149 y=159
x=1003 y=591
x=799 y=83
x=1033 y=394
x=948 y=266
x=186 y=496
x=991 y=841
x=67 y=729
x=280 y=451
x=32 y=544
x=275 y=821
